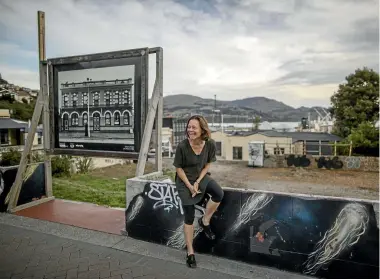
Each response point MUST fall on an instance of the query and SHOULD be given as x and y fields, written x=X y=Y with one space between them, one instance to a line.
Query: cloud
x=295 y=51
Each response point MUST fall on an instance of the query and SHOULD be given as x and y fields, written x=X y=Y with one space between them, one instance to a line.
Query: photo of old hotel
x=97 y=111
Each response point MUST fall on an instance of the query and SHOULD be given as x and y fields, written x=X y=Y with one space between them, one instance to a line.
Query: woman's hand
x=196 y=186
x=193 y=190
x=196 y=189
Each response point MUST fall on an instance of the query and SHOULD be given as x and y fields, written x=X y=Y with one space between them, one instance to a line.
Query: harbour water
x=288 y=126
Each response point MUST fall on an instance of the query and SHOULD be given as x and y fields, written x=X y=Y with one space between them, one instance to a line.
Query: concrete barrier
x=318 y=236
x=370 y=164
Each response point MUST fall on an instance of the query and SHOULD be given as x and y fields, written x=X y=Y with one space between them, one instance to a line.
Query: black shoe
x=206 y=229
x=191 y=262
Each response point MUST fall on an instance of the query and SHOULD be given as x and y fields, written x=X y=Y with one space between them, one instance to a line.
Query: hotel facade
x=97 y=109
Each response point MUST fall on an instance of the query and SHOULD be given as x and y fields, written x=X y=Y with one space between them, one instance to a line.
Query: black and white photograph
x=96 y=106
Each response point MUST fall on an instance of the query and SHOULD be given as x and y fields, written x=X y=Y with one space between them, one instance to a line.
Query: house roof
x=11 y=123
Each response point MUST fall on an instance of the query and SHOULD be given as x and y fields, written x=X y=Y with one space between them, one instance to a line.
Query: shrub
x=60 y=166
x=10 y=157
x=84 y=165
x=37 y=157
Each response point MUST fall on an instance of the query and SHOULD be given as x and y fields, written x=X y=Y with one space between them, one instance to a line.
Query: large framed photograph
x=98 y=103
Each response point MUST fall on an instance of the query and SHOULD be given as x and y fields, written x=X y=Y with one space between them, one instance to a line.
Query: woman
x=192 y=161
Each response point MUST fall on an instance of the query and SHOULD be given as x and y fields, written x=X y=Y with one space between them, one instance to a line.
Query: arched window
x=85 y=118
x=108 y=118
x=126 y=118
x=117 y=118
x=65 y=122
x=96 y=121
x=74 y=119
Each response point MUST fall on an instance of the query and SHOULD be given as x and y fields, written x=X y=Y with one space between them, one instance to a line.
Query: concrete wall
x=325 y=162
x=320 y=236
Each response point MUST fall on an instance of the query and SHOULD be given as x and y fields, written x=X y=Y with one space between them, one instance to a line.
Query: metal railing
x=303 y=147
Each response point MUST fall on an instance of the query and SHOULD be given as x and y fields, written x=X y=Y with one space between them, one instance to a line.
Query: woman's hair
x=206 y=133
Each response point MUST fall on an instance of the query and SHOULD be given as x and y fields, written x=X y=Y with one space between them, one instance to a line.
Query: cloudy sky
x=295 y=51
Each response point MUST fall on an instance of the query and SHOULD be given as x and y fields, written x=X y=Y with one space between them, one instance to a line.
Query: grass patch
x=87 y=188
x=105 y=186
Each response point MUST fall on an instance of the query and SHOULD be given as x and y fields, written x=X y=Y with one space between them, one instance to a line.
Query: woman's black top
x=192 y=165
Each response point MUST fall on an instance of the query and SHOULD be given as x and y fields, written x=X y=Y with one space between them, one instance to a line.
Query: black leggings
x=212 y=189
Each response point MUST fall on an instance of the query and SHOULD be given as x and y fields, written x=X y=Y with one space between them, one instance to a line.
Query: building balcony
x=97 y=84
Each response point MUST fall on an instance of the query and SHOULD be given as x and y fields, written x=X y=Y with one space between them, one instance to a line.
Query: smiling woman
x=192 y=161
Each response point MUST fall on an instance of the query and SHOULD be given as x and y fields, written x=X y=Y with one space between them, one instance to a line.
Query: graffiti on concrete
x=297 y=161
x=326 y=162
x=165 y=195
x=319 y=237
x=353 y=162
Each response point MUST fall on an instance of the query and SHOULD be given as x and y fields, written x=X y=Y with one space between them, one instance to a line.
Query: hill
x=268 y=109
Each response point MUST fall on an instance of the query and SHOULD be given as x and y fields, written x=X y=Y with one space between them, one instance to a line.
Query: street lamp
x=88 y=106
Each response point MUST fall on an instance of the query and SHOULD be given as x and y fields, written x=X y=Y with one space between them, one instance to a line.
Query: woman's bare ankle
x=206 y=223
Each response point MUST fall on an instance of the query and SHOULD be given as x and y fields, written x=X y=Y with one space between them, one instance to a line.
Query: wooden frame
x=45 y=102
x=139 y=58
x=42 y=105
x=155 y=110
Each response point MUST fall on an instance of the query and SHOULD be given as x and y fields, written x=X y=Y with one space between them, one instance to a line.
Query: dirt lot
x=354 y=184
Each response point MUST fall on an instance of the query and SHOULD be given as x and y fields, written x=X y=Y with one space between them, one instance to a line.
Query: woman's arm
x=210 y=158
x=181 y=174
x=203 y=172
x=179 y=160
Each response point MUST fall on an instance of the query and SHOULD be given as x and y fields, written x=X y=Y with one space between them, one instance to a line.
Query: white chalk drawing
x=350 y=224
x=353 y=162
x=135 y=209
x=166 y=196
x=177 y=240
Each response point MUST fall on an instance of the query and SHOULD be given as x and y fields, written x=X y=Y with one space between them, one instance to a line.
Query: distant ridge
x=267 y=109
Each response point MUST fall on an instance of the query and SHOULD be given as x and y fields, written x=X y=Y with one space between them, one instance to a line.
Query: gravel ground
x=340 y=183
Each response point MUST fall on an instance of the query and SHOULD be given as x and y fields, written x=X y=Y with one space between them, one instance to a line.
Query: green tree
x=356 y=101
x=366 y=135
x=19 y=111
x=256 y=123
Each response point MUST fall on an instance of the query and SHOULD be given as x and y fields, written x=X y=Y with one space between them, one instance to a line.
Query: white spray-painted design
x=177 y=240
x=253 y=204
x=349 y=226
x=166 y=196
x=135 y=209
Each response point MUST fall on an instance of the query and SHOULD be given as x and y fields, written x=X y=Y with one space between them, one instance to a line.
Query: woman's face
x=194 y=129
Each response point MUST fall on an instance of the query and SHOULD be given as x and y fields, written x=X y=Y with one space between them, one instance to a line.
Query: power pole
x=213 y=111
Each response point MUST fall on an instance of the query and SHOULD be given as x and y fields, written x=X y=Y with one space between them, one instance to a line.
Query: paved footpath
x=32 y=248
x=28 y=254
